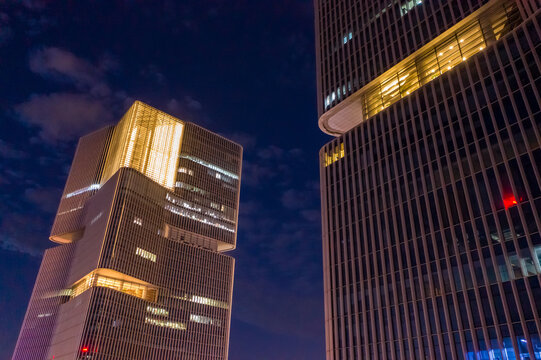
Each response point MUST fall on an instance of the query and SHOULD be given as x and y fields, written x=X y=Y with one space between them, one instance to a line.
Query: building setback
x=148 y=209
x=431 y=190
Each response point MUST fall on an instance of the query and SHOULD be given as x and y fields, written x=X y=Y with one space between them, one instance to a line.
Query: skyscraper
x=431 y=190
x=148 y=209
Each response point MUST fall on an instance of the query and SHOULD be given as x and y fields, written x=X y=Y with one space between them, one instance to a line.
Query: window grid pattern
x=451 y=51
x=47 y=297
x=382 y=35
x=85 y=173
x=445 y=51
x=431 y=229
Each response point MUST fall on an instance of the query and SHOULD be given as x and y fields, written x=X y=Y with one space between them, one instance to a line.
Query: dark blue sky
x=244 y=69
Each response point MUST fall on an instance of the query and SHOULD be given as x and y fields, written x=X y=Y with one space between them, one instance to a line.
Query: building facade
x=431 y=190
x=148 y=209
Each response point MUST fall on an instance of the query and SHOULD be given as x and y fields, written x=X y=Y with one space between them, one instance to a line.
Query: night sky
x=244 y=69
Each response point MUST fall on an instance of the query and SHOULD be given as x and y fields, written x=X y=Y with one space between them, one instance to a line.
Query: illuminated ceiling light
x=461 y=40
x=407 y=92
x=464 y=58
x=451 y=47
x=433 y=71
x=481 y=48
x=440 y=54
x=390 y=86
x=448 y=68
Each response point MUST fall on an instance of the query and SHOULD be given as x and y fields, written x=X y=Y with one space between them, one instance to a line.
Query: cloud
x=278 y=282
x=270 y=152
x=278 y=309
x=62 y=65
x=295 y=199
x=184 y=105
x=24 y=233
x=311 y=215
x=63 y=116
x=254 y=174
x=91 y=103
x=8 y=151
x=46 y=199
x=25 y=225
x=246 y=140
x=153 y=73
x=192 y=103
x=271 y=163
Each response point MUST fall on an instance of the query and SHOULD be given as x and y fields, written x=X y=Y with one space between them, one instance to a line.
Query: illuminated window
x=165 y=323
x=189 y=187
x=198 y=213
x=205 y=320
x=408 y=5
x=209 y=165
x=60 y=293
x=183 y=170
x=138 y=221
x=203 y=219
x=145 y=254
x=537 y=258
x=116 y=281
x=207 y=301
x=203 y=300
x=220 y=176
x=336 y=155
x=468 y=39
x=157 y=311
x=83 y=190
x=348 y=37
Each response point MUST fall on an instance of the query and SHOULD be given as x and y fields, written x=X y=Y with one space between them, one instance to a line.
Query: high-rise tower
x=431 y=191
x=148 y=209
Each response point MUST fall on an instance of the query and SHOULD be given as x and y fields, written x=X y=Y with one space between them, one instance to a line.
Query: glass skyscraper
x=148 y=209
x=431 y=190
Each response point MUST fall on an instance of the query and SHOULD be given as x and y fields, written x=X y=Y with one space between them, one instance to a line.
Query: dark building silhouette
x=431 y=190
x=148 y=208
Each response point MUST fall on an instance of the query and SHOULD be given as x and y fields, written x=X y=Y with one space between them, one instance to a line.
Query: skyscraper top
x=171 y=152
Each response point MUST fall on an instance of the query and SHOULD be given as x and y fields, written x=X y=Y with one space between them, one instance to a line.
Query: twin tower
x=148 y=209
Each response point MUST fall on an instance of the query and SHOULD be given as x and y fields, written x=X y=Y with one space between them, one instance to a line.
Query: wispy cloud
x=45 y=199
x=279 y=244
x=62 y=65
x=64 y=115
x=24 y=233
x=26 y=220
x=69 y=114
x=9 y=151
